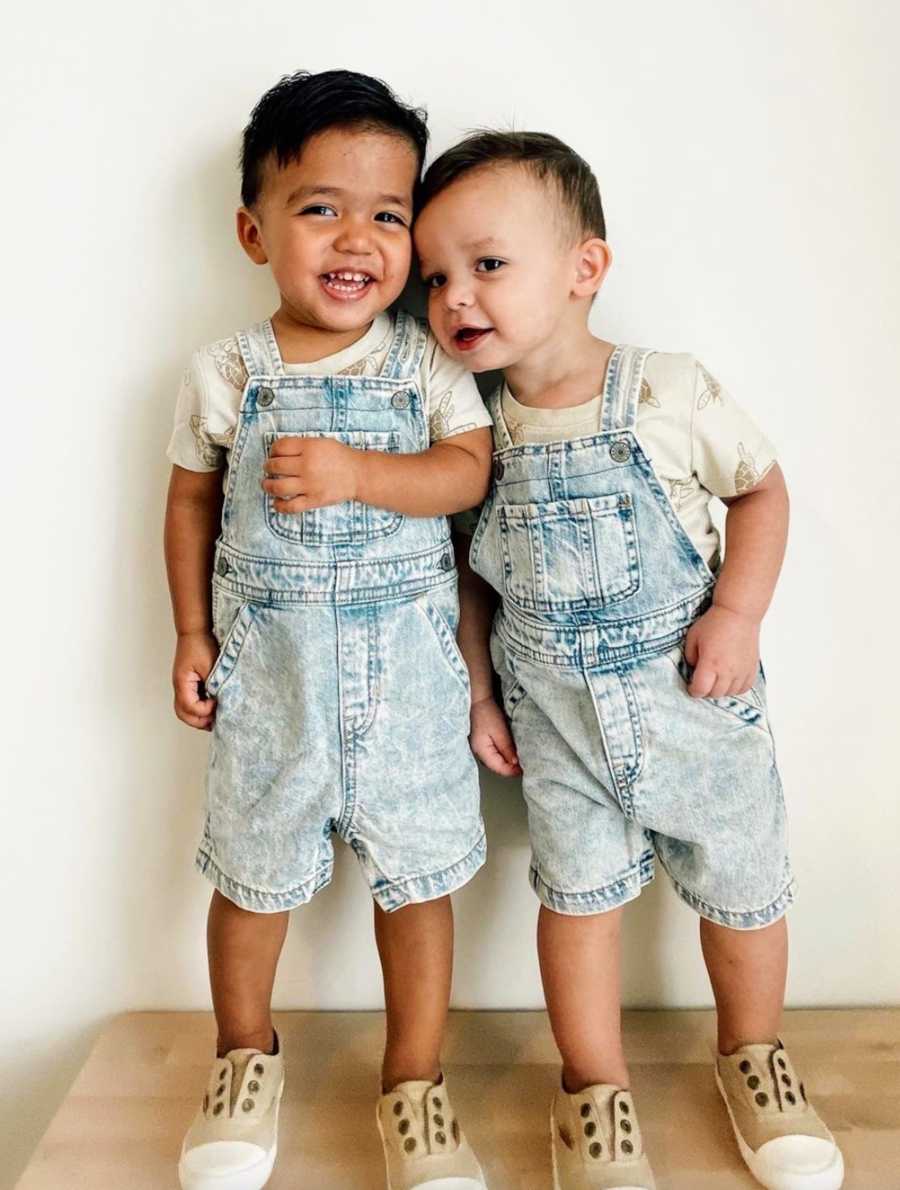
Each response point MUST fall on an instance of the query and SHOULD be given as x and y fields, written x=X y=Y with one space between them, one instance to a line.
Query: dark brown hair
x=545 y=156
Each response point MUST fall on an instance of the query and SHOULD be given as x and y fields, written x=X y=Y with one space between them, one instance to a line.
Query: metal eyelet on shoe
x=403 y=1127
x=253 y=1086
x=627 y=1146
x=220 y=1092
x=596 y=1149
x=585 y=1110
x=398 y=1108
x=626 y=1125
x=753 y=1082
x=791 y=1098
x=409 y=1144
x=590 y=1128
x=782 y=1063
x=623 y=1107
x=247 y=1105
x=259 y=1068
x=439 y=1121
x=440 y=1138
x=745 y=1067
x=786 y=1080
x=218 y=1109
x=761 y=1098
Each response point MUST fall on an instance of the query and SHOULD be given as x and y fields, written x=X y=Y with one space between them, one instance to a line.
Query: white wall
x=747 y=155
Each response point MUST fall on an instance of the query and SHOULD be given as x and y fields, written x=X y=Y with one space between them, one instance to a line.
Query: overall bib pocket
x=570 y=555
x=348 y=523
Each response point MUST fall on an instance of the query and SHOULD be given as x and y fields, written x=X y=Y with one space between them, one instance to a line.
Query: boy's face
x=334 y=227
x=497 y=261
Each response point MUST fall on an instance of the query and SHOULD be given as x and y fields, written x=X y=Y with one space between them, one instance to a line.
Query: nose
x=457 y=296
x=355 y=238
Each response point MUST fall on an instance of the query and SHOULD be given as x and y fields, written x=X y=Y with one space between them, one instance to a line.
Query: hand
x=195 y=655
x=309 y=473
x=491 y=741
x=723 y=649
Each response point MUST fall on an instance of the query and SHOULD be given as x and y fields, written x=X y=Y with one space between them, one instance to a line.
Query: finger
x=487 y=753
x=286 y=446
x=286 y=465
x=284 y=488
x=720 y=686
x=505 y=745
x=187 y=694
x=202 y=722
x=297 y=504
x=691 y=649
x=702 y=681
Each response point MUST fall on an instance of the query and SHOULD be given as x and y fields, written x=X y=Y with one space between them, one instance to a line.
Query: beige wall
x=747 y=152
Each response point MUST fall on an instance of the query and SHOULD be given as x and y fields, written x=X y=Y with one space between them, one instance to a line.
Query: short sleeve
x=453 y=403
x=191 y=445
x=730 y=454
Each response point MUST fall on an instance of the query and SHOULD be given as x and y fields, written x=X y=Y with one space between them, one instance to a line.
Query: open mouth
x=468 y=337
x=346 y=285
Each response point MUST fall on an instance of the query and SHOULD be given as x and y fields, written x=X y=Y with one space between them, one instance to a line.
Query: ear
x=593 y=258
x=249 y=233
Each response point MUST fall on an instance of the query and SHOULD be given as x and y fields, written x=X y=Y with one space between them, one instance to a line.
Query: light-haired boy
x=627 y=649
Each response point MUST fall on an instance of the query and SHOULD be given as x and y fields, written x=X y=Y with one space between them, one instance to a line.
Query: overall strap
x=407 y=347
x=622 y=390
x=259 y=350
x=494 y=404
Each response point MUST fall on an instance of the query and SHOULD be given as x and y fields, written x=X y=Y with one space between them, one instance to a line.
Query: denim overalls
x=342 y=698
x=600 y=584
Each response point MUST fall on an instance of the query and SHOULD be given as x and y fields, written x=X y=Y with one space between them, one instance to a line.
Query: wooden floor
x=121 y=1125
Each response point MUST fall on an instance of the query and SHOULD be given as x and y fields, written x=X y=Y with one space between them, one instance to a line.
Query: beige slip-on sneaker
x=424 y=1146
x=596 y=1141
x=233 y=1140
x=782 y=1139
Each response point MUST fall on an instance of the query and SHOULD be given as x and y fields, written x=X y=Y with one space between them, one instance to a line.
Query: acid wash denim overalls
x=343 y=700
x=599 y=585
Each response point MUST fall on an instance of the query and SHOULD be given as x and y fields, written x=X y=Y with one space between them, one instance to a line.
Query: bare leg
x=580 y=965
x=415 y=945
x=748 y=972
x=243 y=951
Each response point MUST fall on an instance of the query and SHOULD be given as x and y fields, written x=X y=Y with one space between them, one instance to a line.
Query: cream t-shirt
x=700 y=441
x=209 y=398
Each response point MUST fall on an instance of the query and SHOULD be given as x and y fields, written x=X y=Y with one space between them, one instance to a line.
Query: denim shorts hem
x=598 y=900
x=258 y=900
x=413 y=890
x=743 y=919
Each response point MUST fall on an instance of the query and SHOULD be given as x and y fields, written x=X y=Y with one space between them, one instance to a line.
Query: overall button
x=265 y=397
x=400 y=400
x=620 y=452
x=446 y=562
x=222 y=567
x=499 y=469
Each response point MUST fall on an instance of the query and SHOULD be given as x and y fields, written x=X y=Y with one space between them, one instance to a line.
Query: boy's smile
x=334 y=228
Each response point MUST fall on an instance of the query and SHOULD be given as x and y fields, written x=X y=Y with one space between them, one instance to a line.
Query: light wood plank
x=121 y=1124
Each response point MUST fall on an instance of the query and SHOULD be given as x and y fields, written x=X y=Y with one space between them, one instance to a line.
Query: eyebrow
x=479 y=245
x=336 y=192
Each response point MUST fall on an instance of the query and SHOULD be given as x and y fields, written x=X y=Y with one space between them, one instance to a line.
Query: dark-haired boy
x=325 y=663
x=628 y=654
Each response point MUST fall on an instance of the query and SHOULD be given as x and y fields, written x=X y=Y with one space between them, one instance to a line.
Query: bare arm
x=490 y=736
x=193 y=512
x=450 y=476
x=723 y=645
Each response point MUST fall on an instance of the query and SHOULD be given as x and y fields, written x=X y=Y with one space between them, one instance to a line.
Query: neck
x=301 y=342
x=567 y=368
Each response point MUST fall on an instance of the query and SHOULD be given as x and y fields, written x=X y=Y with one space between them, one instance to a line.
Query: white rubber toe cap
x=225 y=1165
x=798 y=1163
x=452 y=1184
